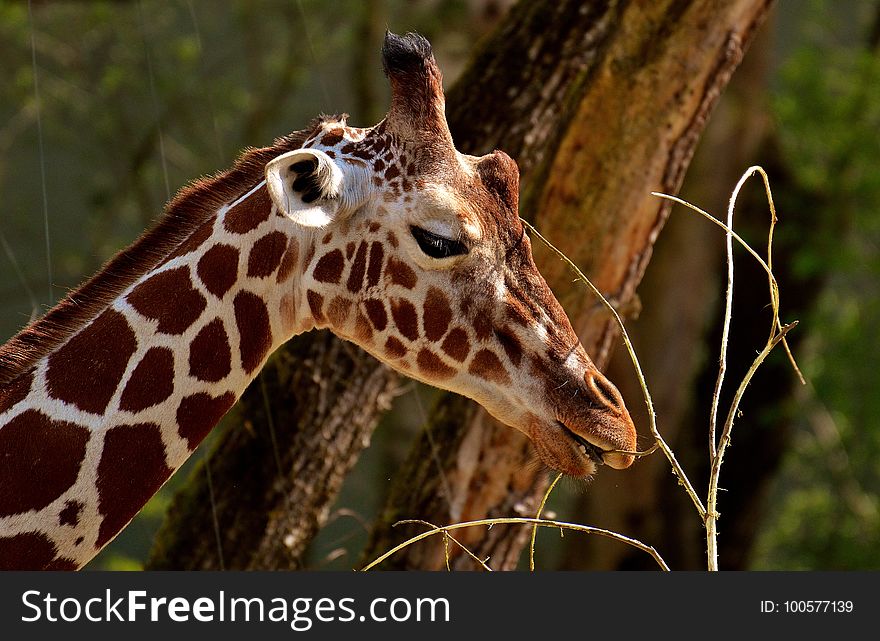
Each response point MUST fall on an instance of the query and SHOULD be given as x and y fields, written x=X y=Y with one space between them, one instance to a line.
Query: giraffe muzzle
x=613 y=456
x=593 y=427
x=589 y=450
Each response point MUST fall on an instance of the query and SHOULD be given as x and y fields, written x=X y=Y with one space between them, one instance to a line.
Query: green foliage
x=826 y=512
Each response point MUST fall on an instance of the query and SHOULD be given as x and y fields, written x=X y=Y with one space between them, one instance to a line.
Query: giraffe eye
x=437 y=246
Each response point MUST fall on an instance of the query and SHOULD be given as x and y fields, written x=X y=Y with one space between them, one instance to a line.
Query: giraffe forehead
x=335 y=135
x=430 y=184
x=440 y=209
x=463 y=190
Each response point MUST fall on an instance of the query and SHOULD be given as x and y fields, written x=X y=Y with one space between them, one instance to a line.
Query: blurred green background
x=132 y=100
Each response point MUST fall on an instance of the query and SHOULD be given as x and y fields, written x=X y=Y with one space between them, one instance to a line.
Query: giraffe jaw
x=577 y=454
x=601 y=454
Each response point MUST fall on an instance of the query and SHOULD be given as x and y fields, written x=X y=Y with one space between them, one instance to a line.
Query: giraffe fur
x=386 y=235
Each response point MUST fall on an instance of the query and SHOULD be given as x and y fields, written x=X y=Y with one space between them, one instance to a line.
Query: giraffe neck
x=105 y=418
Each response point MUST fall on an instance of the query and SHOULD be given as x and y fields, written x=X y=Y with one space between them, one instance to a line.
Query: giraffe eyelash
x=437 y=246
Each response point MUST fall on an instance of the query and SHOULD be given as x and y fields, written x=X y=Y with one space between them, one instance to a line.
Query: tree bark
x=619 y=123
x=600 y=103
x=682 y=297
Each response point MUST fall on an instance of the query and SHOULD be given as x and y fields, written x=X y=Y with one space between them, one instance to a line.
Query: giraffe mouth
x=589 y=450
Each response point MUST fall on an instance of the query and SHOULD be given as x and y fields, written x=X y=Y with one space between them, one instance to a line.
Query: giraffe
x=386 y=235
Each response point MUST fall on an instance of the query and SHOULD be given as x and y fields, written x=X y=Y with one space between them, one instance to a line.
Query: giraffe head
x=417 y=254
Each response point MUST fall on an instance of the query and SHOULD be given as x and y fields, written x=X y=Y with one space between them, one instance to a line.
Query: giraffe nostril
x=604 y=391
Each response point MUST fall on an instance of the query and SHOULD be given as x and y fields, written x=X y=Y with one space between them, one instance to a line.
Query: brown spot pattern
x=332 y=137
x=363 y=333
x=70 y=514
x=194 y=241
x=431 y=365
x=338 y=310
x=436 y=314
x=169 y=298
x=31 y=551
x=405 y=318
x=400 y=273
x=288 y=261
x=456 y=344
x=329 y=267
x=210 y=358
x=544 y=371
x=266 y=255
x=86 y=371
x=486 y=365
x=482 y=325
x=376 y=313
x=356 y=276
x=511 y=345
x=394 y=348
x=16 y=392
x=218 y=269
x=248 y=214
x=151 y=382
x=131 y=470
x=374 y=270
x=392 y=239
x=316 y=304
x=39 y=460
x=517 y=312
x=310 y=254
x=254 y=331
x=198 y=413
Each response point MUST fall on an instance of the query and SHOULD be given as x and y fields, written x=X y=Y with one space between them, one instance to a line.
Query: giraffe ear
x=312 y=189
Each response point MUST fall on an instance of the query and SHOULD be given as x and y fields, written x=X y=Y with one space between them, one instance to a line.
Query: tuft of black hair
x=404 y=54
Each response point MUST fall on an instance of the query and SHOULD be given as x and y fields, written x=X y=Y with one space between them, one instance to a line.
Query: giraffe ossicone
x=387 y=235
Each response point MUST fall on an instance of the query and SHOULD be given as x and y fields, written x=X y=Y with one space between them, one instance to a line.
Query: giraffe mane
x=192 y=206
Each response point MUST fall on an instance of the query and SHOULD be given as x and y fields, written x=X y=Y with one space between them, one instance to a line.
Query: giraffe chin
x=567 y=451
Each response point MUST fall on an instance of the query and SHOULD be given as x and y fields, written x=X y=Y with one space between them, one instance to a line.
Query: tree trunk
x=600 y=103
x=621 y=121
x=682 y=297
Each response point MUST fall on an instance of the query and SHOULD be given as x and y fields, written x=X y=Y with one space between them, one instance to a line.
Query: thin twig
x=652 y=419
x=538 y=516
x=777 y=335
x=636 y=453
x=773 y=284
x=446 y=538
x=773 y=221
x=712 y=499
x=520 y=521
x=728 y=317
